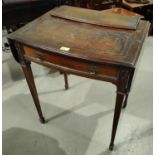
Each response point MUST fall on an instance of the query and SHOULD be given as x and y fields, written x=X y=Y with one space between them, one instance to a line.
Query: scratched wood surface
x=86 y=41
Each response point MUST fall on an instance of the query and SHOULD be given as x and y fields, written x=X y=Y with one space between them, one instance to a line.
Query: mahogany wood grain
x=106 y=71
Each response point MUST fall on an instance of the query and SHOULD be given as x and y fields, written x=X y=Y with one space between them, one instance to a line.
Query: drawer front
x=74 y=64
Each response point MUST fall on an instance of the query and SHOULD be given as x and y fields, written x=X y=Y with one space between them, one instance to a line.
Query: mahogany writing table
x=74 y=41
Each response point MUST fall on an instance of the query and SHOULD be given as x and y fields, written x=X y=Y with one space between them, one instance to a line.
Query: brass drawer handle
x=92 y=73
x=93 y=70
x=40 y=56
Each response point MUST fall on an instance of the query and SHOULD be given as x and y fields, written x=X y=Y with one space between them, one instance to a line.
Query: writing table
x=74 y=41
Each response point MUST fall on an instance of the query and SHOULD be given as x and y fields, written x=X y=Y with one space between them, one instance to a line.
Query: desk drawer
x=74 y=64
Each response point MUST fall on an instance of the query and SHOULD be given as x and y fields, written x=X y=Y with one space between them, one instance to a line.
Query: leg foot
x=66 y=87
x=66 y=81
x=111 y=147
x=42 y=120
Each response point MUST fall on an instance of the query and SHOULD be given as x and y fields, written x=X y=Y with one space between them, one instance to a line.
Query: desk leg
x=118 y=107
x=30 y=81
x=122 y=85
x=66 y=81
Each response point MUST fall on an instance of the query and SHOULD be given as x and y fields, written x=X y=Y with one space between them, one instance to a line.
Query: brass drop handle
x=92 y=73
x=93 y=70
x=40 y=56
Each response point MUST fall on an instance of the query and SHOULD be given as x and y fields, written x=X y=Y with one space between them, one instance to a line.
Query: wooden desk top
x=136 y=5
x=99 y=44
